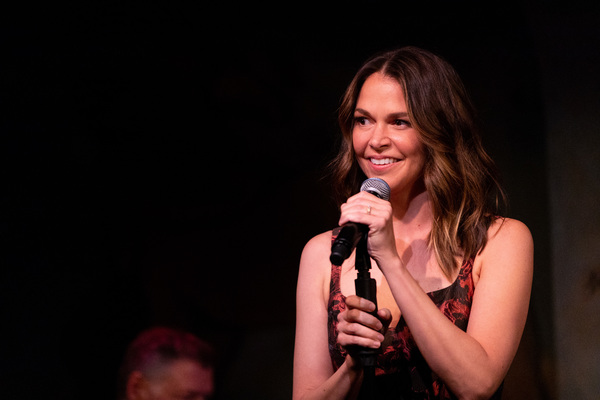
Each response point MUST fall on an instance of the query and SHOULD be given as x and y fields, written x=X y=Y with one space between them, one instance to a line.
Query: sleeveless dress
x=402 y=372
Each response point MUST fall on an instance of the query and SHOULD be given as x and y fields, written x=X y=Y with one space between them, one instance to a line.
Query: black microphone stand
x=366 y=287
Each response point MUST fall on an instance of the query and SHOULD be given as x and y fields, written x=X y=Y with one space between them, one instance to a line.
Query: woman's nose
x=380 y=138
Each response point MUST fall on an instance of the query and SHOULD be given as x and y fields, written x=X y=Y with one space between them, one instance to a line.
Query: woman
x=453 y=278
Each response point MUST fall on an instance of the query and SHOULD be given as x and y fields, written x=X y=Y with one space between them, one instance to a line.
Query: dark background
x=163 y=164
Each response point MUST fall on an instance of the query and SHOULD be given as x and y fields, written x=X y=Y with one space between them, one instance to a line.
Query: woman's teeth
x=383 y=161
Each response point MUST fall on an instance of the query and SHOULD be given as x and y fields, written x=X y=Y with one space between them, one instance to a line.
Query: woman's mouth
x=383 y=161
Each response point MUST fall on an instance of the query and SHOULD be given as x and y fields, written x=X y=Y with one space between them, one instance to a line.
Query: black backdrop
x=163 y=165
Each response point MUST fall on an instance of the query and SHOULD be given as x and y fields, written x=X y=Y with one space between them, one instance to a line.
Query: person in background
x=453 y=275
x=166 y=364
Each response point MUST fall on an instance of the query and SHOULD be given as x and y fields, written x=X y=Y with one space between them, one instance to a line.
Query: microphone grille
x=377 y=187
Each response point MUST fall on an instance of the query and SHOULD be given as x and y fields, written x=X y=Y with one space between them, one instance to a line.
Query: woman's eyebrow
x=360 y=110
x=400 y=114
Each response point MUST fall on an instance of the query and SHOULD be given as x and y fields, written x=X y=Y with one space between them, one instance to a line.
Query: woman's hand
x=357 y=326
x=365 y=208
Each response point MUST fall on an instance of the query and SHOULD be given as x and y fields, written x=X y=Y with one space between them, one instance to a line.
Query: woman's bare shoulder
x=316 y=252
x=315 y=272
x=318 y=244
x=509 y=244
x=508 y=231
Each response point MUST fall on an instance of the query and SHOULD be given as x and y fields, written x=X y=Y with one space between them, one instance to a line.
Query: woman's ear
x=137 y=386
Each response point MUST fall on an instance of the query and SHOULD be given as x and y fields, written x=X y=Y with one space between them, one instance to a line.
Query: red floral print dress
x=401 y=371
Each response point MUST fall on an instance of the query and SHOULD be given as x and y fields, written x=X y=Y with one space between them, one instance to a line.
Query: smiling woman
x=432 y=102
x=453 y=277
x=385 y=143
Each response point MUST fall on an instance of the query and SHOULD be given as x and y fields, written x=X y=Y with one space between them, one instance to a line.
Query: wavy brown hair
x=460 y=178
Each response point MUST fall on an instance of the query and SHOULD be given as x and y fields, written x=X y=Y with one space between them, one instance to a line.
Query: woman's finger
x=345 y=340
x=360 y=303
x=361 y=318
x=350 y=333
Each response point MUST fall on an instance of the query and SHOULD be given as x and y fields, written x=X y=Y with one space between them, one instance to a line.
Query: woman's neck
x=412 y=214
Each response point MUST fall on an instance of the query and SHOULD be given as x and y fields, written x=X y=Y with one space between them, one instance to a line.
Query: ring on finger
x=369 y=210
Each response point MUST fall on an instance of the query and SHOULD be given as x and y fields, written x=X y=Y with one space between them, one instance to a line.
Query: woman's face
x=385 y=142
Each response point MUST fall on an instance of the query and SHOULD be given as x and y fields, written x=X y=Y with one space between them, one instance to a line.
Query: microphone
x=348 y=237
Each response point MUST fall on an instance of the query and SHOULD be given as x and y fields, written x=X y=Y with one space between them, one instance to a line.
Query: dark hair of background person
x=160 y=346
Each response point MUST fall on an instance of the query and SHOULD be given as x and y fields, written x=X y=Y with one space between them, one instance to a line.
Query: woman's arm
x=473 y=363
x=314 y=377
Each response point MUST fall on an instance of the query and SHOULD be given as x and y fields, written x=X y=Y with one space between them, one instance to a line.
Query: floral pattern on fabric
x=401 y=369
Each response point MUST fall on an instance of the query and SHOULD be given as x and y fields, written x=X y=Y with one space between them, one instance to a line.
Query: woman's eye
x=360 y=120
x=401 y=122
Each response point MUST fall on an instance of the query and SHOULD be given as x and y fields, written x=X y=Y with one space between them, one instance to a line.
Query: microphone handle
x=366 y=287
x=345 y=242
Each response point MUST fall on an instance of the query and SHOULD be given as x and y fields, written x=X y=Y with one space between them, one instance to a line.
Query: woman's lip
x=383 y=161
